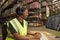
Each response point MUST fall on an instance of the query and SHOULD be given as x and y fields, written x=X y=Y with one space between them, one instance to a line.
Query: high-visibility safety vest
x=22 y=30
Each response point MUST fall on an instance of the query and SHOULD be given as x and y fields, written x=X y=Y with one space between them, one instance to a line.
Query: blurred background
x=44 y=15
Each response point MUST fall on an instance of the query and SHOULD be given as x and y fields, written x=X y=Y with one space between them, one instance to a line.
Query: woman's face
x=25 y=13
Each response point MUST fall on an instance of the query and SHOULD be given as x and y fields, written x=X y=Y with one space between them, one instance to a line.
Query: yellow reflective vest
x=18 y=27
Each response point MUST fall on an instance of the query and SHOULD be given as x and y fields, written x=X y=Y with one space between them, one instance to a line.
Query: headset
x=19 y=11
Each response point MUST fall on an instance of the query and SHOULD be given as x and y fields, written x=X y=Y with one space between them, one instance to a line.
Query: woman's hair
x=19 y=10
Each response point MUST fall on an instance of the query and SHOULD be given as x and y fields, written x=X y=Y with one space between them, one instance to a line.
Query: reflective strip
x=16 y=25
x=13 y=26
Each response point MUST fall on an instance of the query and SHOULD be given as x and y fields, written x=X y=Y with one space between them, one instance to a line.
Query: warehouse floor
x=41 y=28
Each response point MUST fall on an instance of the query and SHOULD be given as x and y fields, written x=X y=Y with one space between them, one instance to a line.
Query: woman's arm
x=19 y=37
x=35 y=34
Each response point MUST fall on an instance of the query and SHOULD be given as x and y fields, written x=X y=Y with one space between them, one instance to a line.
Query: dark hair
x=19 y=10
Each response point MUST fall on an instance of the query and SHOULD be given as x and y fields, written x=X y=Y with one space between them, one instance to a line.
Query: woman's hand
x=31 y=37
x=34 y=39
x=37 y=35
